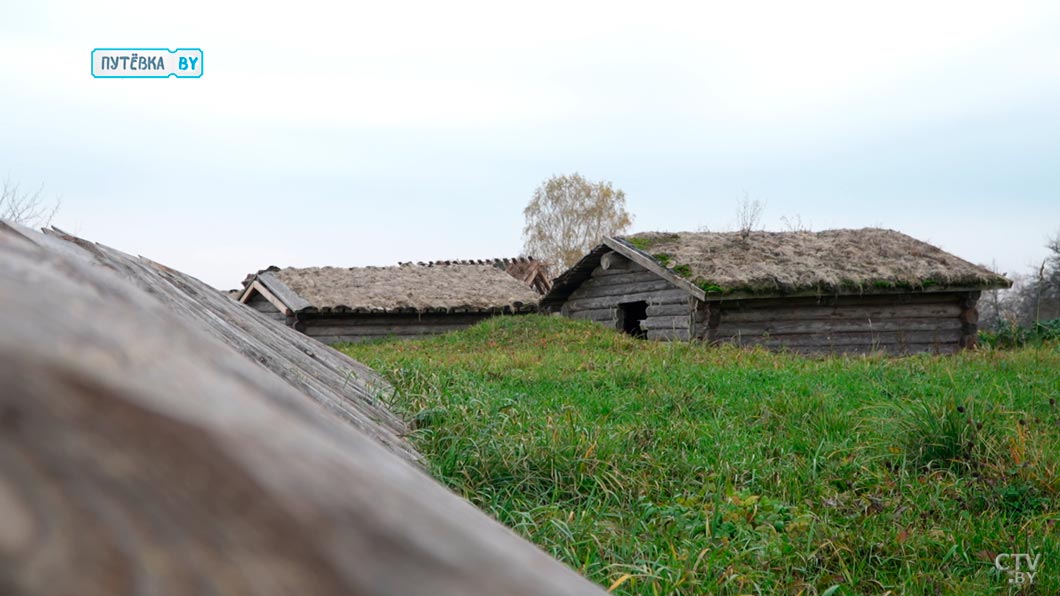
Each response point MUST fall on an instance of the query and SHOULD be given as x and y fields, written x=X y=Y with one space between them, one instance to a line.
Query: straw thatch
x=528 y=270
x=408 y=287
x=836 y=261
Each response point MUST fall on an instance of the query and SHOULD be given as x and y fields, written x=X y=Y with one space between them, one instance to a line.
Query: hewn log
x=612 y=261
x=368 y=320
x=592 y=291
x=843 y=301
x=659 y=297
x=381 y=330
x=844 y=339
x=835 y=326
x=675 y=322
x=662 y=310
x=620 y=278
x=140 y=455
x=852 y=312
x=598 y=314
x=969 y=320
x=280 y=290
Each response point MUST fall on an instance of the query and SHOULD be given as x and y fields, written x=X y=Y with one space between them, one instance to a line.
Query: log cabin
x=829 y=292
x=336 y=305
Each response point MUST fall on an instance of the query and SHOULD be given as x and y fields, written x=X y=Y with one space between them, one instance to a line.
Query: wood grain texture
x=836 y=326
x=951 y=336
x=143 y=453
x=655 y=297
x=847 y=313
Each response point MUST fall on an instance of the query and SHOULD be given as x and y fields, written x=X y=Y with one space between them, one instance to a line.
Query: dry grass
x=459 y=286
x=833 y=261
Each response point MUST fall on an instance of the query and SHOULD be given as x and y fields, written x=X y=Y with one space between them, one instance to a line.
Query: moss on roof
x=864 y=260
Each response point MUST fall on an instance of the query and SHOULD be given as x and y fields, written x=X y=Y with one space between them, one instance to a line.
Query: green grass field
x=657 y=468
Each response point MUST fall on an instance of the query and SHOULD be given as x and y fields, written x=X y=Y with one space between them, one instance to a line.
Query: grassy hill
x=659 y=468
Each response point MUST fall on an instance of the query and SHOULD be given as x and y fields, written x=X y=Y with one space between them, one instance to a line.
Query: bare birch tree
x=26 y=207
x=569 y=215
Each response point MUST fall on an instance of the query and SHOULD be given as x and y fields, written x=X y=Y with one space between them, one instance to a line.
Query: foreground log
x=140 y=454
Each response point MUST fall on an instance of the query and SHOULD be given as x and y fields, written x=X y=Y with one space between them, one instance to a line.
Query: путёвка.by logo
x=1021 y=568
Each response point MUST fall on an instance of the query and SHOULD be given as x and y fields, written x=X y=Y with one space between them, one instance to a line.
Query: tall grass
x=658 y=468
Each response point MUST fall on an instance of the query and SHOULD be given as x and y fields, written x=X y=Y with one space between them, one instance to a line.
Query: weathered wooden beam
x=256 y=288
x=835 y=326
x=854 y=312
x=674 y=296
x=621 y=278
x=280 y=290
x=590 y=291
x=613 y=261
x=846 y=339
x=969 y=318
x=381 y=330
x=340 y=385
x=598 y=314
x=841 y=301
x=672 y=322
x=662 y=310
x=140 y=455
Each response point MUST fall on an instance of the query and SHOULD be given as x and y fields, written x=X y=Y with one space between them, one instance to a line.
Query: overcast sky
x=369 y=133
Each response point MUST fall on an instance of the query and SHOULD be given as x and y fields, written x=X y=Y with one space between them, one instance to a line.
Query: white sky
x=362 y=133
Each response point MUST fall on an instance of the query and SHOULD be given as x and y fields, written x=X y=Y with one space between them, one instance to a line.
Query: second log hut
x=836 y=291
x=337 y=305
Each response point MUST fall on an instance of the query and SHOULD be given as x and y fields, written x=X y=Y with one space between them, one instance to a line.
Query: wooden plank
x=882 y=293
x=831 y=300
x=621 y=278
x=592 y=291
x=599 y=314
x=661 y=310
x=870 y=312
x=341 y=386
x=677 y=322
x=279 y=289
x=846 y=339
x=612 y=261
x=354 y=319
x=674 y=296
x=835 y=326
x=141 y=455
x=257 y=289
x=380 y=330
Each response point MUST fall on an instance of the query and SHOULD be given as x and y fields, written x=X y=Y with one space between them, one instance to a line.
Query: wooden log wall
x=669 y=312
x=893 y=324
x=150 y=445
x=357 y=327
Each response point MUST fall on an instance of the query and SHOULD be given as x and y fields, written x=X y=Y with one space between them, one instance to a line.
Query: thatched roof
x=865 y=261
x=528 y=270
x=435 y=287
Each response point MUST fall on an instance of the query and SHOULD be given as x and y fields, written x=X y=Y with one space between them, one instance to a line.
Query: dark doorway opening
x=630 y=316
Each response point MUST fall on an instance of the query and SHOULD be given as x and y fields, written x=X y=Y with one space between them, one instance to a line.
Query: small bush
x=1011 y=335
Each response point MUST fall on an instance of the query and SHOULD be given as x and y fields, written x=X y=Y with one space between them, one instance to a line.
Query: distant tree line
x=1031 y=308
